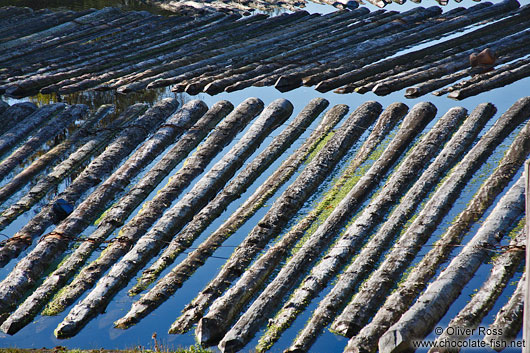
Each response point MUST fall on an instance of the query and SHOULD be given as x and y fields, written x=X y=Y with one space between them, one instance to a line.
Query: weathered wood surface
x=470 y=317
x=283 y=209
x=12 y=115
x=376 y=288
x=227 y=306
x=399 y=301
x=50 y=247
x=375 y=213
x=420 y=319
x=109 y=49
x=175 y=219
x=174 y=279
x=141 y=222
x=509 y=319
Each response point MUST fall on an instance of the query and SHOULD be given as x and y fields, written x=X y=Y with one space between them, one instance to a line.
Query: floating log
x=375 y=212
x=509 y=320
x=71 y=143
x=173 y=280
x=376 y=288
x=174 y=219
x=58 y=121
x=136 y=227
x=174 y=127
x=283 y=209
x=52 y=245
x=421 y=318
x=12 y=115
x=13 y=136
x=237 y=296
x=470 y=317
x=399 y=301
x=232 y=191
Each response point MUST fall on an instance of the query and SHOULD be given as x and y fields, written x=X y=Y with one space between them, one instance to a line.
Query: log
x=50 y=247
x=58 y=121
x=174 y=279
x=420 y=319
x=376 y=288
x=285 y=206
x=470 y=317
x=17 y=133
x=186 y=116
x=397 y=303
x=509 y=320
x=69 y=145
x=268 y=300
x=174 y=219
x=375 y=213
x=232 y=191
x=136 y=227
x=12 y=115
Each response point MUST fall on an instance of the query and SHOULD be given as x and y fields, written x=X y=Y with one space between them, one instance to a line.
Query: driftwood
x=420 y=319
x=136 y=227
x=283 y=209
x=50 y=247
x=69 y=145
x=12 y=115
x=175 y=218
x=401 y=299
x=173 y=280
x=233 y=190
x=471 y=315
x=236 y=297
x=509 y=320
x=374 y=290
x=375 y=212
x=58 y=121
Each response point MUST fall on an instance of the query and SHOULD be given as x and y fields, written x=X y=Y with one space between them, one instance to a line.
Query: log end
x=124 y=323
x=207 y=333
x=213 y=88
x=412 y=92
x=324 y=87
x=381 y=89
x=454 y=95
x=287 y=83
x=394 y=342
x=10 y=327
x=231 y=345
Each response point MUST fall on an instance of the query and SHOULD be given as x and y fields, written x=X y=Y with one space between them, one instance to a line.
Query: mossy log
x=140 y=223
x=229 y=305
x=175 y=219
x=57 y=122
x=399 y=301
x=283 y=209
x=509 y=319
x=429 y=308
x=72 y=142
x=50 y=247
x=376 y=288
x=180 y=273
x=470 y=317
x=374 y=213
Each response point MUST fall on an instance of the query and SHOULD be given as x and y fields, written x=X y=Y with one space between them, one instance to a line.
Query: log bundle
x=387 y=177
x=347 y=50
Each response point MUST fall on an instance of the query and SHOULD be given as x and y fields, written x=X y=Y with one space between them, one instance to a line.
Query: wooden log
x=58 y=121
x=399 y=301
x=17 y=133
x=283 y=209
x=268 y=300
x=470 y=317
x=98 y=169
x=70 y=144
x=12 y=115
x=376 y=288
x=509 y=320
x=189 y=113
x=420 y=319
x=471 y=15
x=175 y=219
x=3 y=106
x=375 y=212
x=129 y=234
x=28 y=271
x=173 y=280
x=232 y=191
